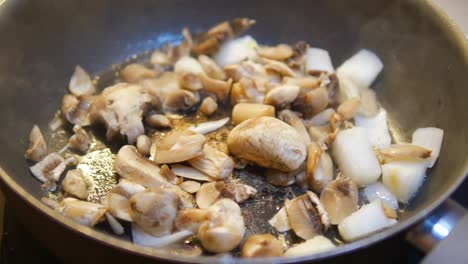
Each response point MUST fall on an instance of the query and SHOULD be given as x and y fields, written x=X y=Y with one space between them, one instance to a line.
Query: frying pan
x=423 y=84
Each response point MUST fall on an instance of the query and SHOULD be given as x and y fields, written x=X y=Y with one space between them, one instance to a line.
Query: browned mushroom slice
x=75 y=109
x=208 y=106
x=211 y=68
x=127 y=188
x=279 y=67
x=179 y=146
x=279 y=52
x=184 y=48
x=82 y=212
x=49 y=168
x=262 y=246
x=119 y=206
x=191 y=82
x=209 y=193
x=37 y=148
x=190 y=186
x=192 y=219
x=162 y=86
x=80 y=83
x=403 y=152
x=217 y=87
x=307 y=216
x=268 y=142
x=129 y=164
x=213 y=162
x=349 y=108
x=121 y=107
x=314 y=152
x=241 y=24
x=154 y=210
x=340 y=199
x=186 y=200
x=135 y=72
x=143 y=145
x=280 y=178
x=282 y=96
x=240 y=192
x=244 y=111
x=312 y=102
x=158 y=121
x=74 y=184
x=80 y=140
x=297 y=59
x=308 y=82
x=280 y=221
x=295 y=121
x=180 y=100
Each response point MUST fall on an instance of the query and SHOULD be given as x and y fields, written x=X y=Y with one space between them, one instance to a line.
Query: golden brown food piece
x=279 y=52
x=312 y=102
x=158 y=121
x=213 y=162
x=281 y=96
x=82 y=212
x=211 y=68
x=208 y=106
x=262 y=246
x=403 y=152
x=37 y=148
x=143 y=145
x=340 y=199
x=179 y=146
x=74 y=184
x=268 y=142
x=244 y=111
x=180 y=100
x=135 y=72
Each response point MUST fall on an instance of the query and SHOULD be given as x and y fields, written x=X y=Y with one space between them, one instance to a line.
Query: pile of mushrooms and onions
x=289 y=111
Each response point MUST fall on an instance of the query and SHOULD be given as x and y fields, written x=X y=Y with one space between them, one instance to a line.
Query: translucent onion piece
x=207 y=127
x=236 y=50
x=362 y=68
x=403 y=179
x=431 y=138
x=378 y=191
x=376 y=128
x=144 y=239
x=318 y=60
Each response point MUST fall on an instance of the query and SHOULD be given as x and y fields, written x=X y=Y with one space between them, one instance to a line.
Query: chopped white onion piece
x=318 y=60
x=347 y=88
x=114 y=224
x=190 y=173
x=431 y=138
x=376 y=128
x=369 y=219
x=403 y=179
x=314 y=245
x=207 y=127
x=144 y=239
x=319 y=119
x=378 y=191
x=236 y=50
x=362 y=68
x=355 y=157
x=55 y=123
x=188 y=64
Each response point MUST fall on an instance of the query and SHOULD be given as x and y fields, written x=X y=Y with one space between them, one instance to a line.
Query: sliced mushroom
x=314 y=152
x=219 y=88
x=37 y=148
x=403 y=152
x=184 y=48
x=158 y=57
x=190 y=173
x=340 y=199
x=154 y=210
x=240 y=192
x=295 y=121
x=119 y=206
x=49 y=168
x=213 y=162
x=279 y=52
x=226 y=230
x=320 y=119
x=143 y=145
x=75 y=109
x=210 y=126
x=80 y=83
x=161 y=87
x=85 y=213
x=190 y=186
x=280 y=178
x=307 y=82
x=80 y=141
x=209 y=193
x=321 y=134
x=192 y=219
x=282 y=95
x=135 y=72
x=74 y=184
x=208 y=106
x=297 y=60
x=349 y=108
x=129 y=164
x=158 y=121
x=307 y=216
x=121 y=107
x=209 y=41
x=280 y=221
x=279 y=67
x=311 y=246
x=268 y=142
x=262 y=246
x=186 y=200
x=312 y=102
x=180 y=100
x=179 y=146
x=211 y=68
x=244 y=111
x=127 y=188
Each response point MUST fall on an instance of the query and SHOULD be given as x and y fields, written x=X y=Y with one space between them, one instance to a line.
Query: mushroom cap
x=262 y=246
x=340 y=199
x=268 y=142
x=37 y=148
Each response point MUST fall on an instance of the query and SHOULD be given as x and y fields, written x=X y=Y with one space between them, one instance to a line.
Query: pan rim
x=454 y=35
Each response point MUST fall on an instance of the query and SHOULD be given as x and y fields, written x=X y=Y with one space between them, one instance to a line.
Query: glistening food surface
x=223 y=145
